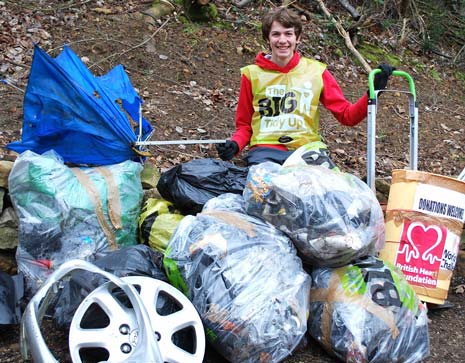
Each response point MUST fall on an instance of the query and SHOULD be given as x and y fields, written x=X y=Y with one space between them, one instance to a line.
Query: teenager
x=277 y=111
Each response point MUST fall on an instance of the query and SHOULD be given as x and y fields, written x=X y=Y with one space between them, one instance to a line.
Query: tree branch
x=242 y=3
x=345 y=35
x=352 y=11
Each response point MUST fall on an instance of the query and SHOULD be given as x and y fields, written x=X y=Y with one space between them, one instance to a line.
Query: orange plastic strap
x=333 y=294
x=94 y=197
x=113 y=197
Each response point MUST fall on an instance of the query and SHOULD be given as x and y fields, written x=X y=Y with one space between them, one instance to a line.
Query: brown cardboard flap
x=399 y=215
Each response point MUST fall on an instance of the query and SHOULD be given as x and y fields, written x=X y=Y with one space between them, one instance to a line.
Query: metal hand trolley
x=371 y=123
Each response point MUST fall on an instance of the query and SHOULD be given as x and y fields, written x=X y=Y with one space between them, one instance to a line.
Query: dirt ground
x=188 y=76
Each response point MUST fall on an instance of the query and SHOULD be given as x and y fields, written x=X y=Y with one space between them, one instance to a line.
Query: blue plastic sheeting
x=84 y=118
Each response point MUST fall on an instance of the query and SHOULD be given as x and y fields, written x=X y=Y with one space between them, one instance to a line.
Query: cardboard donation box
x=424 y=221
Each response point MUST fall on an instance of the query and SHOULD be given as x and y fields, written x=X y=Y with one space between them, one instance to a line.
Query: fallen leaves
x=105 y=11
x=459 y=289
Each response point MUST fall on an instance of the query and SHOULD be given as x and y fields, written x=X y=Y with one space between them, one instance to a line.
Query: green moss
x=223 y=25
x=378 y=55
x=243 y=30
x=420 y=67
x=459 y=75
x=189 y=27
x=435 y=75
x=202 y=13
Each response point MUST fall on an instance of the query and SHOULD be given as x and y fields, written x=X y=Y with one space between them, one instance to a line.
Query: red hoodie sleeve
x=334 y=100
x=244 y=114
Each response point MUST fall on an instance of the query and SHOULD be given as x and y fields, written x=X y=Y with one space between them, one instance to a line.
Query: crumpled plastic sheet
x=367 y=312
x=313 y=153
x=245 y=280
x=57 y=215
x=138 y=260
x=228 y=202
x=332 y=217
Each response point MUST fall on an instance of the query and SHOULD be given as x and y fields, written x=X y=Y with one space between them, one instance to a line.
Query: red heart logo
x=420 y=252
x=426 y=239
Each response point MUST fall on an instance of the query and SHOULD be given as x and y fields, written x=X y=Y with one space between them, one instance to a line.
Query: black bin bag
x=190 y=185
x=138 y=260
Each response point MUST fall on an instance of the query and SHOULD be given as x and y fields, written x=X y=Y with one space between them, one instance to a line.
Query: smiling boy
x=277 y=111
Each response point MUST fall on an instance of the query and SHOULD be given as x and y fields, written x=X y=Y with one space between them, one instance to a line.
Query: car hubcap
x=105 y=327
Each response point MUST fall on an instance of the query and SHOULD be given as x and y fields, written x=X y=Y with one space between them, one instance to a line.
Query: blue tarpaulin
x=86 y=119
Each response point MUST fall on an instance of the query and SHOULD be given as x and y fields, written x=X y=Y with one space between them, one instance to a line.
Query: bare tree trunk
x=200 y=10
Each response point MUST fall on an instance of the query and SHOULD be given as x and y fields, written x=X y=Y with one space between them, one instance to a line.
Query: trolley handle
x=371 y=85
x=371 y=124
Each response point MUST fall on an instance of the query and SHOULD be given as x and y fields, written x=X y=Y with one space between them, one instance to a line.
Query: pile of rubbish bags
x=266 y=255
x=361 y=309
x=294 y=254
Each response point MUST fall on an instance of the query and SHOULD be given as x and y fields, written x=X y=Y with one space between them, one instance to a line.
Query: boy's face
x=282 y=42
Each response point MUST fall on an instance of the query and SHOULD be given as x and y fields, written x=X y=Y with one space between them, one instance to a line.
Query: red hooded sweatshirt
x=331 y=98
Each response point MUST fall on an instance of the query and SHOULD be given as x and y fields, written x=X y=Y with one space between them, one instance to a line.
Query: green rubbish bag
x=157 y=223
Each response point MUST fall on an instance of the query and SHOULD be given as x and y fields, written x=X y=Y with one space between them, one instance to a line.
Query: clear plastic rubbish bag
x=245 y=280
x=332 y=217
x=66 y=213
x=228 y=202
x=367 y=312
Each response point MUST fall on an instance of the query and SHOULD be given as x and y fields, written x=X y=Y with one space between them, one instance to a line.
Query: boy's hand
x=227 y=150
x=381 y=79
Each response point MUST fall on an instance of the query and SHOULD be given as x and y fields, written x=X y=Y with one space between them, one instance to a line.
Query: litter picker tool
x=143 y=143
x=177 y=142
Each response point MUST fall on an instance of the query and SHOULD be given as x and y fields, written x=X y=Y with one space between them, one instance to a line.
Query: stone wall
x=8 y=222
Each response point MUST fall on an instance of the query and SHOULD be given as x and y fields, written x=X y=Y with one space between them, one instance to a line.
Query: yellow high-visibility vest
x=286 y=104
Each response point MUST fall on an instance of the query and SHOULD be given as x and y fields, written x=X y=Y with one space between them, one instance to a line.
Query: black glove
x=381 y=79
x=227 y=150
